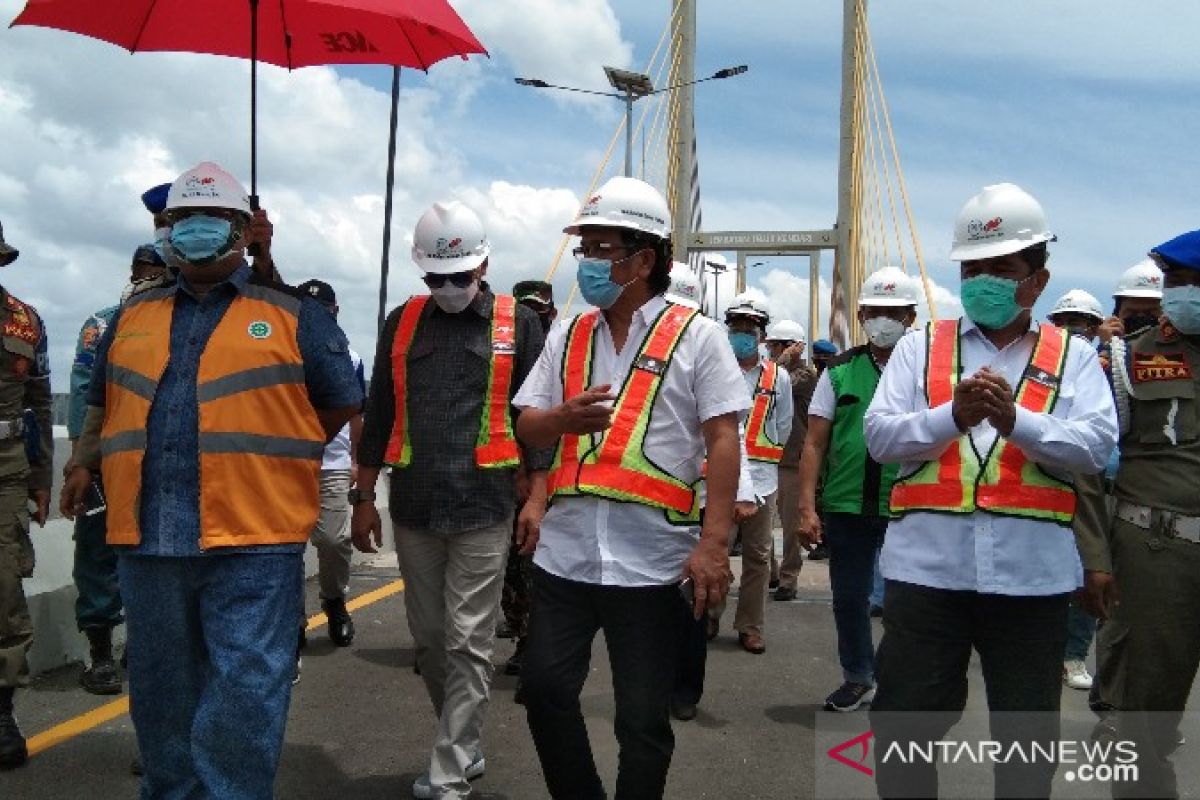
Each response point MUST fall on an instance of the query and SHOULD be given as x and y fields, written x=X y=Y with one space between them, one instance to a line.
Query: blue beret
x=155 y=200
x=1182 y=252
x=824 y=347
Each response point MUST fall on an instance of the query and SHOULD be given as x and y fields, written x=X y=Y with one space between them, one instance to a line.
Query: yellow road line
x=65 y=731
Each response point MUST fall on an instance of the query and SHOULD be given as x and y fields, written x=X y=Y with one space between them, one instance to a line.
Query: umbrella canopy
x=291 y=33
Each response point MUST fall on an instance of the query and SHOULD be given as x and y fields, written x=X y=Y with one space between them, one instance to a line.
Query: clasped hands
x=985 y=395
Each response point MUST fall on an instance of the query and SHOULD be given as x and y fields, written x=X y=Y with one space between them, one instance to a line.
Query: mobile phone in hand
x=687 y=590
x=94 y=502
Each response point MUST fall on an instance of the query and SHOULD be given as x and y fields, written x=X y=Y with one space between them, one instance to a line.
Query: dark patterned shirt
x=442 y=489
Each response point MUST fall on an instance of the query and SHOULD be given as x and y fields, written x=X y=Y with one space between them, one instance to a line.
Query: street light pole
x=628 y=133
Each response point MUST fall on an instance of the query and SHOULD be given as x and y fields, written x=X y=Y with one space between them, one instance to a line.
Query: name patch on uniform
x=1149 y=367
x=503 y=348
x=259 y=329
x=1041 y=376
x=650 y=364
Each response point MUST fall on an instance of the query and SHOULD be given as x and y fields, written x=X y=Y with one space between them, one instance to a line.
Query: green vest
x=854 y=483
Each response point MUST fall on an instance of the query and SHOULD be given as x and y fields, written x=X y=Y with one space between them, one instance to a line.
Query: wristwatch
x=360 y=496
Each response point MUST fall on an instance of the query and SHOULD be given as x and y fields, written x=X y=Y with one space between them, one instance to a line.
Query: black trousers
x=641 y=629
x=921 y=666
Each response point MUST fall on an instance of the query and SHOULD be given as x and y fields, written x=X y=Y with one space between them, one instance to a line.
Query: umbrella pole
x=387 y=200
x=254 y=104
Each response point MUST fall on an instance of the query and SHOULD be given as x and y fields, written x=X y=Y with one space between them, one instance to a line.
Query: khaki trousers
x=452 y=588
x=756 y=569
x=789 y=518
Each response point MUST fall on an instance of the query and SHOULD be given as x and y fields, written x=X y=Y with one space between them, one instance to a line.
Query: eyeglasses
x=460 y=280
x=598 y=250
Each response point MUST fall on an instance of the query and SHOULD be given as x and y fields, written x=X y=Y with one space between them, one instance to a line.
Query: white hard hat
x=888 y=287
x=1001 y=219
x=206 y=185
x=1079 y=302
x=625 y=203
x=746 y=306
x=1143 y=279
x=786 y=330
x=685 y=287
x=449 y=238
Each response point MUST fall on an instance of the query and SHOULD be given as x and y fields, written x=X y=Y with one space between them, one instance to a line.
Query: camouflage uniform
x=24 y=384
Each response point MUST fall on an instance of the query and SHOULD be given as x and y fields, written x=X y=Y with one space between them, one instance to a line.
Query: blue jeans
x=877 y=586
x=854 y=543
x=1081 y=629
x=210 y=670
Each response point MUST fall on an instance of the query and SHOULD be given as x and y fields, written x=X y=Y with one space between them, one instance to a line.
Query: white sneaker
x=423 y=788
x=1076 y=675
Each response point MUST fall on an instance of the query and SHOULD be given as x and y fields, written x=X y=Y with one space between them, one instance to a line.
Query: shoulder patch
x=1150 y=367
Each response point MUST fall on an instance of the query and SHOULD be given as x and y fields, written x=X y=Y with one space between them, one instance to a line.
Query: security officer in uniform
x=24 y=476
x=1148 y=557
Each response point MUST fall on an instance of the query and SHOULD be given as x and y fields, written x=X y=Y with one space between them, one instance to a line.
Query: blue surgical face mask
x=991 y=302
x=161 y=235
x=1181 y=305
x=595 y=282
x=201 y=238
x=745 y=345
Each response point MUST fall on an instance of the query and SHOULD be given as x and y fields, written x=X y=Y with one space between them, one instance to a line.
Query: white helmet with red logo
x=888 y=287
x=1078 y=301
x=625 y=203
x=685 y=288
x=449 y=238
x=1001 y=219
x=786 y=330
x=1143 y=279
x=746 y=306
x=206 y=185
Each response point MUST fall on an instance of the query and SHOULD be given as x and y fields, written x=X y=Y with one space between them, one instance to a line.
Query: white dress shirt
x=337 y=452
x=986 y=552
x=778 y=426
x=601 y=541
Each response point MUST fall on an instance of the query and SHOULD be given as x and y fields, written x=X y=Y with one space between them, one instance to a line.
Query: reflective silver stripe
x=135 y=382
x=247 y=380
x=257 y=444
x=123 y=442
x=275 y=297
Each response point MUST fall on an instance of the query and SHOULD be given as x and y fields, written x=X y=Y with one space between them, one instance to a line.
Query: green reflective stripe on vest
x=854 y=483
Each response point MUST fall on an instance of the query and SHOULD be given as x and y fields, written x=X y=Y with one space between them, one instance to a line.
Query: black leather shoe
x=783 y=593
x=101 y=677
x=513 y=665
x=341 y=627
x=684 y=712
x=12 y=744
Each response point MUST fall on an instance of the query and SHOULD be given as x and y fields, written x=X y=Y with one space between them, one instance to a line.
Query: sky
x=1093 y=107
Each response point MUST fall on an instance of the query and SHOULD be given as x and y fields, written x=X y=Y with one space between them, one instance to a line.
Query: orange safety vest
x=260 y=439
x=759 y=446
x=496 y=446
x=617 y=468
x=1005 y=482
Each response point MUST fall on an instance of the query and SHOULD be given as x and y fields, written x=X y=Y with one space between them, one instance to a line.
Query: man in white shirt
x=766 y=430
x=634 y=394
x=331 y=536
x=981 y=555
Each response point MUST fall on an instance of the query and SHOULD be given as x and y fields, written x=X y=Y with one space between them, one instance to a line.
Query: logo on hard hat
x=886 y=288
x=260 y=329
x=1149 y=280
x=978 y=229
x=595 y=199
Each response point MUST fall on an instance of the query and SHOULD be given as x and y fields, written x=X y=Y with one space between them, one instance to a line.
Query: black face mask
x=547 y=320
x=820 y=364
x=1135 y=322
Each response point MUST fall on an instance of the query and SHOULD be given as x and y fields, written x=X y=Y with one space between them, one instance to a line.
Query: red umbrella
x=288 y=33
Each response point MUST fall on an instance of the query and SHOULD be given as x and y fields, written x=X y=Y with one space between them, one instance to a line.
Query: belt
x=1179 y=526
x=11 y=428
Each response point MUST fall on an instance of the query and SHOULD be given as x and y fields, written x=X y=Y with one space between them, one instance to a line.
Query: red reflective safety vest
x=617 y=468
x=496 y=446
x=759 y=446
x=1006 y=482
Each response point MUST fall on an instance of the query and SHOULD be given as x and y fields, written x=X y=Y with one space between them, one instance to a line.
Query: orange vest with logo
x=759 y=446
x=260 y=439
x=617 y=468
x=1005 y=482
x=496 y=446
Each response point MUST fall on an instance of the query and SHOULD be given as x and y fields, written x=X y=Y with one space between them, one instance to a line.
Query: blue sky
x=1093 y=107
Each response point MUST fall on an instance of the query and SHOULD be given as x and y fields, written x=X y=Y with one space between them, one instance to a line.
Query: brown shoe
x=752 y=643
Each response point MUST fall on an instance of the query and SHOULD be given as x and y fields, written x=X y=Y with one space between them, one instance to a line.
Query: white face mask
x=452 y=299
x=884 y=332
